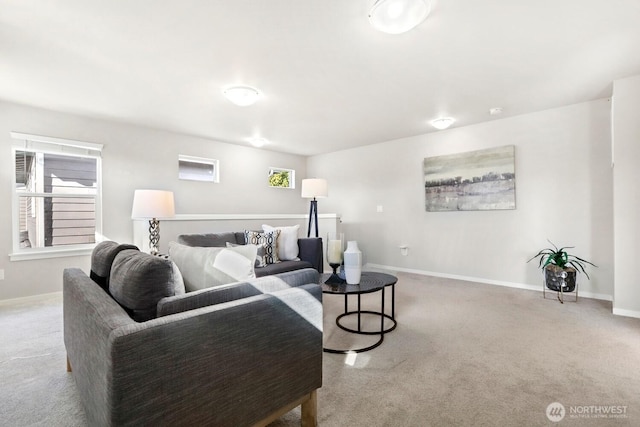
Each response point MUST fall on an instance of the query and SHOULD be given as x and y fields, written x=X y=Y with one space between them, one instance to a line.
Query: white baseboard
x=482 y=280
x=627 y=313
x=30 y=298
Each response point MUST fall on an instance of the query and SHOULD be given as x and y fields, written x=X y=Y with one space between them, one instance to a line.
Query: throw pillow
x=138 y=281
x=287 y=241
x=235 y=264
x=260 y=260
x=197 y=265
x=102 y=258
x=268 y=240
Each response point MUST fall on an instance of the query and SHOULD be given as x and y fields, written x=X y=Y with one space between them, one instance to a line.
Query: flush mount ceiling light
x=442 y=123
x=258 y=141
x=241 y=95
x=398 y=16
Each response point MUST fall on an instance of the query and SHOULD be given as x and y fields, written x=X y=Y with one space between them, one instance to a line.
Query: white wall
x=563 y=192
x=626 y=137
x=136 y=157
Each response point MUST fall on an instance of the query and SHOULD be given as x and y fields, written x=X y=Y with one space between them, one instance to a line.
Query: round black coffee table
x=369 y=282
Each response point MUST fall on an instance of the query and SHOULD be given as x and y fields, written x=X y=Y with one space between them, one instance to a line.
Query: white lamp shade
x=153 y=204
x=398 y=16
x=314 y=187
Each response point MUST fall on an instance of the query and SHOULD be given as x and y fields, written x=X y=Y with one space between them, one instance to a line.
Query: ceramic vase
x=352 y=263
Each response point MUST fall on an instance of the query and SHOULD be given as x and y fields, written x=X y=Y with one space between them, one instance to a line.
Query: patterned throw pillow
x=267 y=240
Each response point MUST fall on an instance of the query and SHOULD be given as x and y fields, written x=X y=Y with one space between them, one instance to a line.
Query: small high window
x=282 y=178
x=198 y=169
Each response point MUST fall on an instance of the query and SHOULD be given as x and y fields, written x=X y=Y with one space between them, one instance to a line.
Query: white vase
x=352 y=263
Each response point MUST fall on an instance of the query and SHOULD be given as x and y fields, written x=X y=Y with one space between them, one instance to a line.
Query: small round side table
x=369 y=282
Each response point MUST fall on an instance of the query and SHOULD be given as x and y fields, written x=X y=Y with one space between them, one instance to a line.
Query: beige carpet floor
x=463 y=354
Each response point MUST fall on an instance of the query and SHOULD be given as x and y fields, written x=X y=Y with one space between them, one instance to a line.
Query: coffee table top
x=370 y=281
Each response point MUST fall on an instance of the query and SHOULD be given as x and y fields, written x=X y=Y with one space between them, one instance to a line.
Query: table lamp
x=152 y=205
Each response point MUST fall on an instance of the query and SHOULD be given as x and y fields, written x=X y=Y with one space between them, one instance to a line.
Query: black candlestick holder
x=334 y=279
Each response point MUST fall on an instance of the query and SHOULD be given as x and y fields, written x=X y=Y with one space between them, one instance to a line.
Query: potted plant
x=560 y=267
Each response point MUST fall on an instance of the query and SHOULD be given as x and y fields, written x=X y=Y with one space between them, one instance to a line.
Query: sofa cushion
x=102 y=258
x=210 y=239
x=268 y=240
x=196 y=264
x=236 y=291
x=139 y=280
x=287 y=241
x=282 y=267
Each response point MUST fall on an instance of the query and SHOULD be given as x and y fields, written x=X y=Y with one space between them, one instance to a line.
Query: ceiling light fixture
x=442 y=123
x=398 y=16
x=241 y=95
x=258 y=141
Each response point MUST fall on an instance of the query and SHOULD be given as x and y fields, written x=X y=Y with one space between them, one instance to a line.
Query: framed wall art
x=471 y=181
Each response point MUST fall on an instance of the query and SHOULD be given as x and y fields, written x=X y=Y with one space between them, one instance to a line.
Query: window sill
x=49 y=253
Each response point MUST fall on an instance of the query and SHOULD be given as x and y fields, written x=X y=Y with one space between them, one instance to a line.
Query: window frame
x=201 y=160
x=292 y=177
x=63 y=147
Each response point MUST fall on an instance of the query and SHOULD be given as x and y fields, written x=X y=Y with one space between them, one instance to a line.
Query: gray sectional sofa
x=144 y=352
x=310 y=250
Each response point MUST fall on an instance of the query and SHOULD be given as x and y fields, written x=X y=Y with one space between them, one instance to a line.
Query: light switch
x=379 y=208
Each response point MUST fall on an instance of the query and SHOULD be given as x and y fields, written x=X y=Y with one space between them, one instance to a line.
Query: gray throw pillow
x=102 y=258
x=139 y=280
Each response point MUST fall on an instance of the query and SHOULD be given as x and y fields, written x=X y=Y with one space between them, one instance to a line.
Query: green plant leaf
x=561 y=258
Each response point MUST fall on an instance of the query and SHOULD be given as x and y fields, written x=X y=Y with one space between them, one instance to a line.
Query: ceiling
x=329 y=80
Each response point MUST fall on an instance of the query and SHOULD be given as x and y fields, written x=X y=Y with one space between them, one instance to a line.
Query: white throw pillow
x=259 y=250
x=287 y=241
x=235 y=264
x=196 y=264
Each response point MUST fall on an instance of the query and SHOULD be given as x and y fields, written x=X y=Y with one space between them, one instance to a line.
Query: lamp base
x=313 y=216
x=154 y=235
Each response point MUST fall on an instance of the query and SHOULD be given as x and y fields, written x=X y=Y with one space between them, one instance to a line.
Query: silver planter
x=560 y=279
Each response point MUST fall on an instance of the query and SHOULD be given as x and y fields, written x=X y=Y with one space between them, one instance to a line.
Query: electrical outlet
x=1 y=274
x=379 y=208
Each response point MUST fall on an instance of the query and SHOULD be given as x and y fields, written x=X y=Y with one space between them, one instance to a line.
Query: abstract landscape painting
x=475 y=180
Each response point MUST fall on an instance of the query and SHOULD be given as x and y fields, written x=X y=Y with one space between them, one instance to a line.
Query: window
x=57 y=195
x=282 y=178
x=198 y=169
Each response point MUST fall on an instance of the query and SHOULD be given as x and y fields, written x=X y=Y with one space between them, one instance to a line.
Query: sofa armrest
x=235 y=291
x=226 y=365
x=90 y=316
x=310 y=250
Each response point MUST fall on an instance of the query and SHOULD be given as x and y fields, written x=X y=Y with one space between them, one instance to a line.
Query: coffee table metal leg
x=359 y=314
x=393 y=301
x=382 y=315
